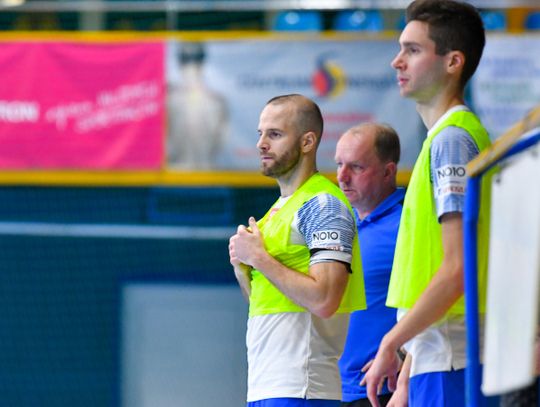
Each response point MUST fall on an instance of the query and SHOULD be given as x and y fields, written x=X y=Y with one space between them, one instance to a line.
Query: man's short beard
x=283 y=165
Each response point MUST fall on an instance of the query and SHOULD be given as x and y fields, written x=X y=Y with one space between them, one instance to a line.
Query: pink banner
x=81 y=105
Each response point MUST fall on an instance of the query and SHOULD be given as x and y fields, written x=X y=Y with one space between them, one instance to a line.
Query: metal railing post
x=470 y=236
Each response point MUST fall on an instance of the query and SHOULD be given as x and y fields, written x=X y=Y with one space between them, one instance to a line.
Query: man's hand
x=242 y=271
x=233 y=258
x=247 y=245
x=385 y=366
x=400 y=398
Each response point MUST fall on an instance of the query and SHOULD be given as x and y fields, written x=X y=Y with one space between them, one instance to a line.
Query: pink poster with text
x=88 y=106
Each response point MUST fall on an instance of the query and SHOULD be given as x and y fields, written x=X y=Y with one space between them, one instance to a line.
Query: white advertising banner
x=514 y=274
x=217 y=90
x=506 y=84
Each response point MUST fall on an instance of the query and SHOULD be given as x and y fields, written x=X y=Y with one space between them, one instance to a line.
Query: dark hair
x=387 y=144
x=453 y=26
x=308 y=113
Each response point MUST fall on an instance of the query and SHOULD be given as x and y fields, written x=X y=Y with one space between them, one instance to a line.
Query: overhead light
x=11 y=3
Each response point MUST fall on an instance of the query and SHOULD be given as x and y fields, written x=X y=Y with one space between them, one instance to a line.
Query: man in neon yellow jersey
x=299 y=267
x=441 y=46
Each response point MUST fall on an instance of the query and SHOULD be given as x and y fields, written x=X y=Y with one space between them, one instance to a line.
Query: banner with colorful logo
x=82 y=105
x=217 y=89
x=195 y=105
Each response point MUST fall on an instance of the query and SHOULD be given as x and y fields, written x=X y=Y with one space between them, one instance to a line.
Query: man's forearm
x=243 y=276
x=320 y=291
x=442 y=292
x=403 y=378
x=444 y=289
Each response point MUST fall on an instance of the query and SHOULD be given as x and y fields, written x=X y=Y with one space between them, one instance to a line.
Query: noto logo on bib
x=451 y=171
x=325 y=237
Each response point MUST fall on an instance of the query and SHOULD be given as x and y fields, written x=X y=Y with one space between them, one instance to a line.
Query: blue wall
x=60 y=296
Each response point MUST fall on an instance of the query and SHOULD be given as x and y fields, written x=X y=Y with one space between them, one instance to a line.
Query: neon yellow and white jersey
x=291 y=352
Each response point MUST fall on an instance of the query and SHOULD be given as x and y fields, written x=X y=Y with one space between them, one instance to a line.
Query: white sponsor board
x=514 y=270
x=351 y=81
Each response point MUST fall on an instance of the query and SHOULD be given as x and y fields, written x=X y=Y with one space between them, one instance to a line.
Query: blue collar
x=392 y=200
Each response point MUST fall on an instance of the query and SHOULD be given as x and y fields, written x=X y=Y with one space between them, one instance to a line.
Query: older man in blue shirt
x=367 y=156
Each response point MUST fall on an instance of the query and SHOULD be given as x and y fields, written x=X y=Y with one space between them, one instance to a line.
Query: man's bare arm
x=445 y=288
x=320 y=291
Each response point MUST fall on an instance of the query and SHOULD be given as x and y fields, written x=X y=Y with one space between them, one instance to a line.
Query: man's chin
x=404 y=93
x=267 y=171
x=351 y=196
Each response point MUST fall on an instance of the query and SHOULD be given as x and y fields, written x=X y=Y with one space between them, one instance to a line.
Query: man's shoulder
x=460 y=125
x=454 y=142
x=325 y=212
x=452 y=134
x=322 y=204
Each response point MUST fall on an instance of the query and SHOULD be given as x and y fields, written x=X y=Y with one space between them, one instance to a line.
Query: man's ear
x=390 y=170
x=309 y=141
x=455 y=61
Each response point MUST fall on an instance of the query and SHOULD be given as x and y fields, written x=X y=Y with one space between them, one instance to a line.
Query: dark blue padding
x=532 y=22
x=205 y=206
x=304 y=20
x=358 y=20
x=494 y=20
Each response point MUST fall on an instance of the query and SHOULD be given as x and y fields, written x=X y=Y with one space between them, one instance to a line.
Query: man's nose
x=261 y=144
x=342 y=174
x=397 y=62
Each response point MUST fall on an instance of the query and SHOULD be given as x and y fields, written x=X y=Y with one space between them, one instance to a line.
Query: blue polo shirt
x=377 y=235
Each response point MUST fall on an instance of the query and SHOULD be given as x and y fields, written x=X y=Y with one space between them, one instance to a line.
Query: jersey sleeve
x=451 y=150
x=328 y=229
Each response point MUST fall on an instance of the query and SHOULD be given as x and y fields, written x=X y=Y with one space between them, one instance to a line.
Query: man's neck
x=365 y=212
x=289 y=183
x=434 y=109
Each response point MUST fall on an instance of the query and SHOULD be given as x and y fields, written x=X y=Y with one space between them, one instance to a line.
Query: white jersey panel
x=295 y=355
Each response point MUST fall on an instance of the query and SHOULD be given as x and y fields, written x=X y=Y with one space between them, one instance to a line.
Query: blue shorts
x=442 y=389
x=294 y=402
x=438 y=389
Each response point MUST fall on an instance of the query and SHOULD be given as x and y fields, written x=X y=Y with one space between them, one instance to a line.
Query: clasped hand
x=246 y=244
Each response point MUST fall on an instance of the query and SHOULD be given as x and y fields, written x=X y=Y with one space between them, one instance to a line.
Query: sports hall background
x=115 y=288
